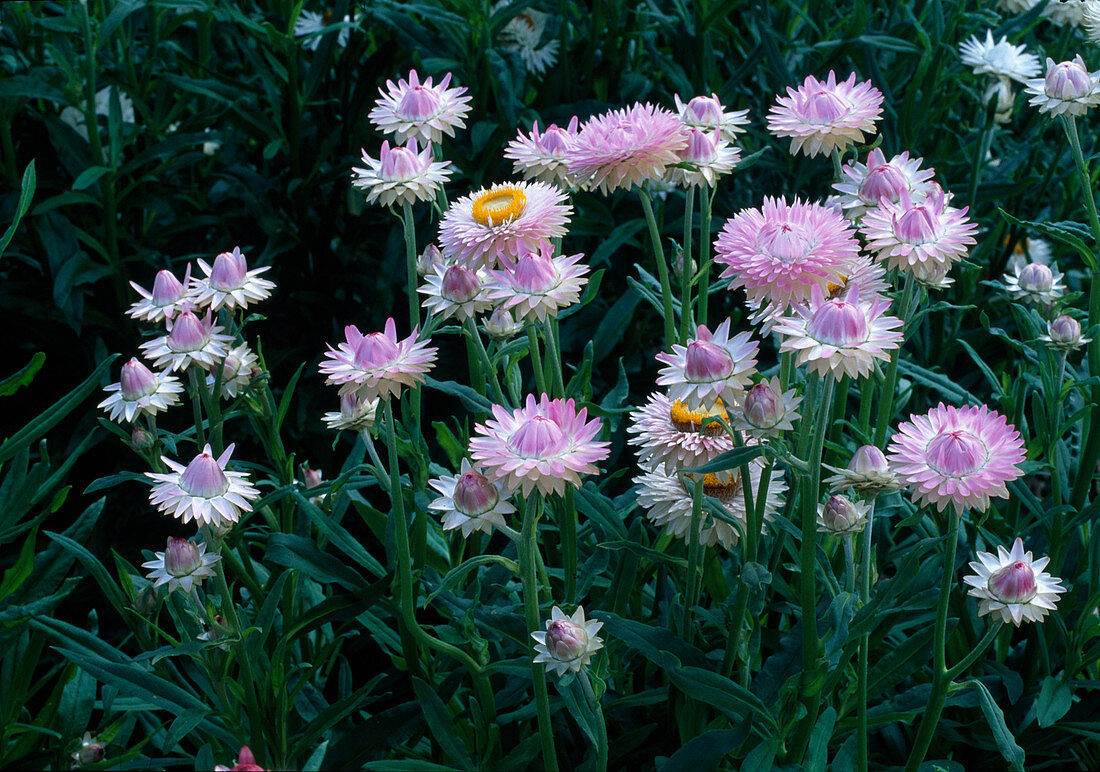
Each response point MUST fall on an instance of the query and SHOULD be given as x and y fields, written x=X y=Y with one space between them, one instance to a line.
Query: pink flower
x=1068 y=88
x=922 y=239
x=237 y=371
x=825 y=115
x=881 y=180
x=496 y=225
x=457 y=291
x=568 y=642
x=709 y=154
x=168 y=298
x=1013 y=585
x=779 y=252
x=203 y=490
x=421 y=111
x=767 y=410
x=377 y=365
x=542 y=156
x=669 y=434
x=709 y=367
x=1035 y=283
x=190 y=341
x=141 y=391
x=624 y=148
x=539 y=284
x=840 y=516
x=246 y=762
x=400 y=174
x=708 y=114
x=182 y=564
x=868 y=473
x=356 y=413
x=841 y=336
x=1064 y=333
x=230 y=284
x=470 y=501
x=961 y=456
x=544 y=445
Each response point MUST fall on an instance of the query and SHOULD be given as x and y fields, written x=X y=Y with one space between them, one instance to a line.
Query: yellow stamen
x=499 y=206
x=722 y=486
x=832 y=289
x=692 y=421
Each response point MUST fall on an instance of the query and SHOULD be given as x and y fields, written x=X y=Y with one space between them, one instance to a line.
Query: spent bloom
x=400 y=174
x=523 y=33
x=542 y=155
x=841 y=336
x=1064 y=333
x=868 y=473
x=543 y=445
x=140 y=391
x=822 y=116
x=418 y=110
x=627 y=147
x=1035 y=283
x=779 y=252
x=711 y=366
x=1013 y=585
x=190 y=342
x=669 y=434
x=91 y=751
x=203 y=491
x=377 y=365
x=1000 y=59
x=568 y=643
x=470 y=501
x=841 y=516
x=961 y=456
x=708 y=114
x=182 y=564
x=1068 y=88
x=495 y=225
x=919 y=238
x=168 y=297
x=539 y=284
x=356 y=413
x=455 y=290
x=767 y=410
x=867 y=185
x=229 y=283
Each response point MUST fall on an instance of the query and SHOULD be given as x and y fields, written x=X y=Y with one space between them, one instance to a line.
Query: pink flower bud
x=137 y=380
x=1065 y=331
x=428 y=260
x=869 y=461
x=400 y=163
x=840 y=515
x=501 y=325
x=535 y=273
x=181 y=557
x=167 y=289
x=1036 y=278
x=204 y=477
x=91 y=752
x=763 y=407
x=1068 y=80
x=705 y=110
x=956 y=453
x=538 y=437
x=825 y=107
x=566 y=640
x=1015 y=583
x=188 y=333
x=313 y=478
x=838 y=323
x=419 y=103
x=706 y=361
x=474 y=494
x=374 y=350
x=883 y=181
x=460 y=284
x=555 y=141
x=702 y=147
x=141 y=439
x=230 y=271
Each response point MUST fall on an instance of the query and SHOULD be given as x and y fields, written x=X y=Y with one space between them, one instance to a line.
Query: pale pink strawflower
x=709 y=367
x=767 y=410
x=400 y=174
x=708 y=113
x=1091 y=20
x=190 y=342
x=501 y=325
x=182 y=564
x=428 y=260
x=168 y=298
x=1013 y=585
x=544 y=445
x=867 y=185
x=709 y=155
x=539 y=284
x=568 y=643
x=779 y=252
x=230 y=284
x=1068 y=88
x=1067 y=13
x=822 y=116
x=841 y=516
x=868 y=473
x=456 y=290
x=495 y=225
x=961 y=456
x=1035 y=283
x=841 y=336
x=919 y=238
x=999 y=58
x=356 y=414
x=470 y=501
x=411 y=109
x=237 y=371
x=1064 y=333
x=91 y=751
x=140 y=391
x=668 y=434
x=624 y=148
x=377 y=365
x=246 y=762
x=542 y=155
x=203 y=491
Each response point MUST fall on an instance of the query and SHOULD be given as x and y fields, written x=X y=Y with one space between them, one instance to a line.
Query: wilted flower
x=204 y=490
x=140 y=391
x=1000 y=59
x=1068 y=88
x=74 y=116
x=182 y=564
x=309 y=25
x=523 y=33
x=1064 y=333
x=709 y=367
x=868 y=473
x=568 y=642
x=1066 y=13
x=822 y=116
x=168 y=298
x=840 y=516
x=421 y=111
x=542 y=156
x=470 y=501
x=400 y=174
x=230 y=284
x=669 y=434
x=539 y=284
x=624 y=148
x=377 y=364
x=1013 y=586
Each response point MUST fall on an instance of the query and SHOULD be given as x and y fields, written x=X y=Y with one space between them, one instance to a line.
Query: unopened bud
x=763 y=407
x=1015 y=583
x=500 y=325
x=566 y=640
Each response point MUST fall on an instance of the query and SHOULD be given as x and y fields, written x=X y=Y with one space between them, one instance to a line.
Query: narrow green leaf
x=706 y=751
x=1055 y=699
x=817 y=755
x=1006 y=743
x=27 y=188
x=470 y=399
x=89 y=177
x=13 y=383
x=441 y=723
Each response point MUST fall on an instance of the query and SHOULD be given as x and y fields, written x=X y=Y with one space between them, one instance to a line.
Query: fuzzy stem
x=686 y=272
x=474 y=338
x=536 y=358
x=704 y=254
x=410 y=261
x=528 y=546
x=865 y=640
x=567 y=527
x=662 y=267
x=557 y=381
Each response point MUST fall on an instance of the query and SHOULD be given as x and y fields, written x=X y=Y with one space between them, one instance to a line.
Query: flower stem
x=474 y=337
x=686 y=272
x=536 y=358
x=694 y=557
x=865 y=640
x=567 y=527
x=662 y=267
x=704 y=254
x=597 y=709
x=550 y=332
x=527 y=548
x=410 y=261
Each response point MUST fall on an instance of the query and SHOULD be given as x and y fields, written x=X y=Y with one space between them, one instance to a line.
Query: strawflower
x=470 y=501
x=999 y=58
x=1013 y=585
x=921 y=238
x=190 y=342
x=822 y=116
x=377 y=365
x=568 y=643
x=203 y=491
x=411 y=109
x=456 y=291
x=182 y=564
x=539 y=284
x=140 y=391
x=542 y=155
x=868 y=185
x=230 y=284
x=1064 y=333
x=624 y=148
x=711 y=366
x=667 y=433
x=1035 y=283
x=523 y=33
x=767 y=410
x=356 y=413
x=708 y=114
x=868 y=473
x=168 y=298
x=400 y=174
x=237 y=371
x=1068 y=88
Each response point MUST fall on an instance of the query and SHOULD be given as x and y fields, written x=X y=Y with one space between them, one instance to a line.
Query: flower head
x=229 y=283
x=246 y=762
x=168 y=298
x=400 y=174
x=541 y=155
x=310 y=26
x=501 y=325
x=470 y=501
x=961 y=456
x=841 y=336
x=841 y=516
x=1000 y=59
x=1064 y=333
x=868 y=473
x=140 y=391
x=190 y=342
x=568 y=642
x=539 y=284
x=91 y=751
x=624 y=148
x=708 y=114
x=669 y=434
x=455 y=290
x=545 y=444
x=710 y=156
x=825 y=115
x=203 y=491
x=498 y=224
x=377 y=365
x=1068 y=88
x=420 y=110
x=237 y=370
x=1013 y=585
x=182 y=564
x=881 y=180
x=921 y=239
x=779 y=252
x=711 y=366
x=767 y=410
x=356 y=413
x=1035 y=283
x=523 y=33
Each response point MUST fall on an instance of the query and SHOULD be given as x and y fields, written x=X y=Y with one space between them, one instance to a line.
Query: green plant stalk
x=865 y=639
x=536 y=358
x=662 y=267
x=704 y=254
x=410 y=261
x=567 y=527
x=528 y=546
x=849 y=564
x=557 y=381
x=686 y=273
x=474 y=338
x=890 y=385
x=838 y=171
x=695 y=559
x=196 y=400
x=812 y=677
x=977 y=651
x=940 y=677
x=983 y=149
x=601 y=740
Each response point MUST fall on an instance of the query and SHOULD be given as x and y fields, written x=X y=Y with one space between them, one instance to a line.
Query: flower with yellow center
x=499 y=206
x=669 y=435
x=696 y=420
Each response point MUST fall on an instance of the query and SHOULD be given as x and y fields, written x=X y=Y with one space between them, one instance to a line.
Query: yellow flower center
x=692 y=421
x=832 y=289
x=723 y=487
x=499 y=206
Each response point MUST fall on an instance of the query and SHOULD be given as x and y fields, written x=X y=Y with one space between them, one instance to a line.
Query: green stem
x=528 y=546
x=196 y=401
x=410 y=262
x=550 y=332
x=567 y=527
x=865 y=639
x=889 y=386
x=601 y=726
x=1070 y=124
x=704 y=254
x=474 y=337
x=695 y=557
x=686 y=272
x=536 y=358
x=662 y=267
x=983 y=150
x=977 y=651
